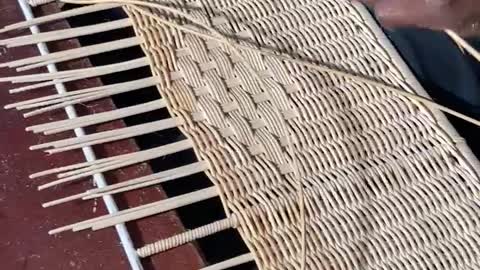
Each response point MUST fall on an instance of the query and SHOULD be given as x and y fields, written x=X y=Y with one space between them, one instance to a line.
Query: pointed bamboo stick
x=138 y=132
x=199 y=165
x=50 y=56
x=36 y=77
x=128 y=159
x=51 y=101
x=106 y=118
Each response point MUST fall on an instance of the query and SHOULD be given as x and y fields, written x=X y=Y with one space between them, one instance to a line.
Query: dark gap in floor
x=216 y=248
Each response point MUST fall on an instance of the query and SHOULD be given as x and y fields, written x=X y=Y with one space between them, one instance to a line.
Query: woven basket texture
x=383 y=181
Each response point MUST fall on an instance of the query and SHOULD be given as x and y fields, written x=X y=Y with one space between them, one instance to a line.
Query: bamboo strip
x=133 y=158
x=69 y=167
x=183 y=172
x=463 y=44
x=53 y=101
x=33 y=102
x=83 y=225
x=91 y=72
x=64 y=200
x=58 y=16
x=166 y=205
x=63 y=105
x=90 y=96
x=84 y=52
x=108 y=136
x=231 y=262
x=79 y=225
x=109 y=116
x=111 y=162
x=119 y=162
x=88 y=120
x=66 y=33
x=116 y=45
x=186 y=237
x=36 y=77
x=40 y=85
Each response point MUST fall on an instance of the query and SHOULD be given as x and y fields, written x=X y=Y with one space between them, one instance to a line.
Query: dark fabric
x=451 y=77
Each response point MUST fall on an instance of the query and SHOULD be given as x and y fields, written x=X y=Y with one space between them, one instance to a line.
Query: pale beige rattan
x=385 y=186
x=315 y=169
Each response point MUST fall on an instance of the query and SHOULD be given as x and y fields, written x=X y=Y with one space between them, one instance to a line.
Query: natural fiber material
x=343 y=166
x=385 y=185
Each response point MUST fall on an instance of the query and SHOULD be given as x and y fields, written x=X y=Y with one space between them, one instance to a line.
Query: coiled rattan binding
x=324 y=149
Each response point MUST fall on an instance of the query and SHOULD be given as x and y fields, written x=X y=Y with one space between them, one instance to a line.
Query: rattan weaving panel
x=384 y=183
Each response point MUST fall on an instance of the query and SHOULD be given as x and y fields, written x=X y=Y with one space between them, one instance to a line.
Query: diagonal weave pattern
x=384 y=183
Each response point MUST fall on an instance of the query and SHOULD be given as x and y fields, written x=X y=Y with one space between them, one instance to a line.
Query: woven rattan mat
x=386 y=182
